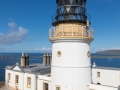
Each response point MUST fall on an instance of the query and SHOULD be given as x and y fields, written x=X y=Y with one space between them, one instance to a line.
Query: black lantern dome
x=70 y=11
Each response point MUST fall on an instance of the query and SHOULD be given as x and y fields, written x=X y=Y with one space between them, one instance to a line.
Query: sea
x=12 y=58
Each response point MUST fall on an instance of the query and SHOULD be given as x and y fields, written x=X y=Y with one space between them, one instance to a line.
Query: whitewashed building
x=32 y=77
x=69 y=66
x=38 y=77
x=105 y=78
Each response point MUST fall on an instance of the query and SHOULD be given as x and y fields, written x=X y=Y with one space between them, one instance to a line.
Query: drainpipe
x=23 y=80
x=50 y=58
x=36 y=81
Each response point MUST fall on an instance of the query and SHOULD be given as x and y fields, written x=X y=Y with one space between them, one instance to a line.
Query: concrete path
x=6 y=88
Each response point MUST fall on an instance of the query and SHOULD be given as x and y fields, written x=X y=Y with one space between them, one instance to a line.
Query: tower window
x=98 y=74
x=58 y=87
x=45 y=86
x=16 y=79
x=59 y=53
x=88 y=53
x=29 y=82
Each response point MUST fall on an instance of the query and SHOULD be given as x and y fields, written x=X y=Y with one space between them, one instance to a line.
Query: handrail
x=72 y=31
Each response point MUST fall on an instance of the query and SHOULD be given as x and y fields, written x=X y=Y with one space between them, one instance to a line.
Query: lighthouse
x=71 y=36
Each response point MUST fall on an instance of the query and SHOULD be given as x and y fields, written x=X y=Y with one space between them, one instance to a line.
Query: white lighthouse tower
x=71 y=37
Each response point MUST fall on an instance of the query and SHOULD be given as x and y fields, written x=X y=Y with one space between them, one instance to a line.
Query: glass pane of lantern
x=67 y=2
x=61 y=2
x=74 y=2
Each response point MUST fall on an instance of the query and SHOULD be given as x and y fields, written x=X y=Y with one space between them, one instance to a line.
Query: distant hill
x=112 y=52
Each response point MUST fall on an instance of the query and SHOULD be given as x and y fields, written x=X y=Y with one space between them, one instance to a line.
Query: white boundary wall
x=107 y=77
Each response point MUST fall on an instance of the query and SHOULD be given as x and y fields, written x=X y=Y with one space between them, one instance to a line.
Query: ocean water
x=12 y=58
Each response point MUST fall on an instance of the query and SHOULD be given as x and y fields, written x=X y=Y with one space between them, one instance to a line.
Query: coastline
x=19 y=57
x=3 y=57
x=105 y=56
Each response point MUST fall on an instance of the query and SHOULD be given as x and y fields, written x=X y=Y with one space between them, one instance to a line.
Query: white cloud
x=46 y=49
x=115 y=49
x=5 y=49
x=103 y=49
x=14 y=36
x=12 y=25
x=43 y=49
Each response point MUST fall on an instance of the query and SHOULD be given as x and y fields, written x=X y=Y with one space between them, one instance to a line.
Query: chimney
x=27 y=59
x=50 y=58
x=23 y=60
x=45 y=59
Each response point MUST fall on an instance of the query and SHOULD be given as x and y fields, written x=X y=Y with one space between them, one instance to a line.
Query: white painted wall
x=107 y=77
x=36 y=81
x=22 y=80
x=72 y=70
x=8 y=82
x=12 y=81
x=33 y=81
x=43 y=79
x=74 y=54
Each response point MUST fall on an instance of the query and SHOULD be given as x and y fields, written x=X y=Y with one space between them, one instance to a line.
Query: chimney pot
x=26 y=53
x=22 y=53
x=27 y=59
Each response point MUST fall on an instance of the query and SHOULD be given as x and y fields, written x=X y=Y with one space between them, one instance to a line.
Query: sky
x=24 y=24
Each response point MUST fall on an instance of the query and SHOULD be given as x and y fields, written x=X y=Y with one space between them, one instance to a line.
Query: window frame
x=29 y=86
x=16 y=81
x=44 y=88
x=59 y=53
x=58 y=86
x=98 y=74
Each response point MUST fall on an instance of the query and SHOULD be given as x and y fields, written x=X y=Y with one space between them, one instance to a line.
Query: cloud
x=46 y=49
x=14 y=36
x=6 y=49
x=43 y=49
x=12 y=25
x=103 y=49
